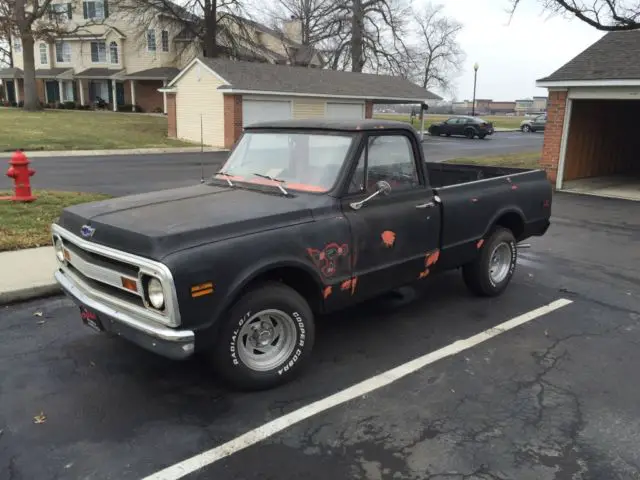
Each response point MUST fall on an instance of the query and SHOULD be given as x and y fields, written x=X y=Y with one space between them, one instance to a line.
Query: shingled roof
x=264 y=77
x=616 y=56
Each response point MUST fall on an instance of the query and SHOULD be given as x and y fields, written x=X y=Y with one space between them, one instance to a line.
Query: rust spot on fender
x=350 y=284
x=480 y=243
x=432 y=258
x=327 y=291
x=423 y=274
x=388 y=238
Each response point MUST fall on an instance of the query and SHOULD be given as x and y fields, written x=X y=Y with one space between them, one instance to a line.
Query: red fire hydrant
x=21 y=174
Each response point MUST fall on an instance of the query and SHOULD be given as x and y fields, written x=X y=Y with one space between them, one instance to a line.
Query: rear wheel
x=469 y=133
x=490 y=273
x=266 y=339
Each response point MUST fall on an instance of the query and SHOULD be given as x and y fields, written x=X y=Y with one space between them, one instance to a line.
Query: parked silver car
x=534 y=124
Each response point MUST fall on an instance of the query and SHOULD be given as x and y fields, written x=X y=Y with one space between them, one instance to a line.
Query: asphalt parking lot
x=553 y=398
x=122 y=175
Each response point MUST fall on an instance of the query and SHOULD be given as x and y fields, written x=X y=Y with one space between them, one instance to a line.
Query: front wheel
x=490 y=273
x=482 y=136
x=266 y=340
x=526 y=128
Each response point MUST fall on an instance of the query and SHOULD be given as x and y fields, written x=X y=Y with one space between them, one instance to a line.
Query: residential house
x=124 y=59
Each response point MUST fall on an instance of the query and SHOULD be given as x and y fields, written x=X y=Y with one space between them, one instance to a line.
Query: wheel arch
x=510 y=218
x=292 y=272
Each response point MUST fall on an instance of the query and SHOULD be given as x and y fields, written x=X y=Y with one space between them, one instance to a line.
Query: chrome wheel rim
x=500 y=263
x=266 y=340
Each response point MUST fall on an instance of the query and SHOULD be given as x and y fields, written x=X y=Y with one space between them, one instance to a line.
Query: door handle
x=426 y=205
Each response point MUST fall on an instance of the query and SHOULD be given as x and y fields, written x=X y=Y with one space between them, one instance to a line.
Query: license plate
x=91 y=319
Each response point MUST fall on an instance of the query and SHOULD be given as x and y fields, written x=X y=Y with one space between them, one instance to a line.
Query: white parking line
x=267 y=430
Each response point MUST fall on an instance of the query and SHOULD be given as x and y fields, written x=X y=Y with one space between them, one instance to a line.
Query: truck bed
x=447 y=174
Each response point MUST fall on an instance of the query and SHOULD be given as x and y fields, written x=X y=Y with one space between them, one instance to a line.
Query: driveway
x=122 y=175
x=553 y=398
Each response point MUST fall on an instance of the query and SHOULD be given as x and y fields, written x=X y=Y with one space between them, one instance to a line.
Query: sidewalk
x=27 y=274
x=123 y=151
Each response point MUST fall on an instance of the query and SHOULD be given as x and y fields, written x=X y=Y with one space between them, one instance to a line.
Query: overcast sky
x=513 y=55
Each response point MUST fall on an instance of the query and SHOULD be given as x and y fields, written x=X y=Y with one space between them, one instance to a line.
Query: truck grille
x=116 y=277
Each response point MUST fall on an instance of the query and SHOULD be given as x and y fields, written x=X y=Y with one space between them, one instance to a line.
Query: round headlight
x=59 y=249
x=156 y=293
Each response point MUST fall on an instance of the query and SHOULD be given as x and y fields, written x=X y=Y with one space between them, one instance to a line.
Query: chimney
x=293 y=29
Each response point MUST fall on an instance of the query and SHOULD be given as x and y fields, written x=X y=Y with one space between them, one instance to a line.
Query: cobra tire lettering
x=301 y=339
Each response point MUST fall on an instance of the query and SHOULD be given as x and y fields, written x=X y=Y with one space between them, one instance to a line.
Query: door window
x=389 y=158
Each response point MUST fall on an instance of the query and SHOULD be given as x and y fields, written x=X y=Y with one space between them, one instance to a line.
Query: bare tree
x=6 y=49
x=366 y=33
x=606 y=15
x=314 y=17
x=438 y=56
x=31 y=20
x=217 y=27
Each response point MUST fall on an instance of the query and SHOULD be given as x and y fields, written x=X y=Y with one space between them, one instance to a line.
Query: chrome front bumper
x=165 y=341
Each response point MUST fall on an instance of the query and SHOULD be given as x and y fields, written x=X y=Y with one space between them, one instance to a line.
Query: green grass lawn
x=80 y=130
x=26 y=225
x=499 y=121
x=516 y=160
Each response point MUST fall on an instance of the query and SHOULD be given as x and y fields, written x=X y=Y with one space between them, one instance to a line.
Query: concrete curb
x=29 y=293
x=97 y=153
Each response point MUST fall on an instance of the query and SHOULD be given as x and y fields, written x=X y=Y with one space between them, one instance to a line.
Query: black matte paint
x=231 y=236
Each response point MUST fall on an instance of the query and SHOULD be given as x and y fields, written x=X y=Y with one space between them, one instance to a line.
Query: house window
x=63 y=52
x=95 y=9
x=151 y=40
x=165 y=41
x=43 y=54
x=113 y=52
x=60 y=12
x=98 y=52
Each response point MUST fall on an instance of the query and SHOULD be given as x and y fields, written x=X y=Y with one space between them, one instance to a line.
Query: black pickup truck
x=304 y=218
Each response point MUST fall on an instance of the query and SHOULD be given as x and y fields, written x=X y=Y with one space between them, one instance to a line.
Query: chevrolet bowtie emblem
x=86 y=231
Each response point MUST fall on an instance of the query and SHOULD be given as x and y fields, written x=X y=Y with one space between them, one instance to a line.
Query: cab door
x=394 y=231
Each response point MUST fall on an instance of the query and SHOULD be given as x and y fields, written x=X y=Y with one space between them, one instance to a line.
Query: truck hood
x=156 y=224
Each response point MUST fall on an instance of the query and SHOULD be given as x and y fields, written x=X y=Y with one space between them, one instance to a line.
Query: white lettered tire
x=266 y=339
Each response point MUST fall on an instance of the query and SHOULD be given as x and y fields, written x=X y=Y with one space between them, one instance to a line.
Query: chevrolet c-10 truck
x=303 y=219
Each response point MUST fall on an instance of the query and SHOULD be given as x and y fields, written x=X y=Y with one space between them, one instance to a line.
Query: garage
x=254 y=111
x=213 y=99
x=590 y=143
x=345 y=110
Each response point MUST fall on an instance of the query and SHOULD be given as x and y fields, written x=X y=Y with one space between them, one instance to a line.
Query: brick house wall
x=172 y=116
x=147 y=95
x=553 y=133
x=232 y=119
x=368 y=110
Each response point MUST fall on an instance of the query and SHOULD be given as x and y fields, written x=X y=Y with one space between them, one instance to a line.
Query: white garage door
x=254 y=111
x=345 y=110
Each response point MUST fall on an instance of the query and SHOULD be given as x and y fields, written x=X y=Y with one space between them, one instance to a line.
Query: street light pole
x=475 y=80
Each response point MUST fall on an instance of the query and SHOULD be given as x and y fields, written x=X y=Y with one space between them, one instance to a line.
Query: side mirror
x=382 y=188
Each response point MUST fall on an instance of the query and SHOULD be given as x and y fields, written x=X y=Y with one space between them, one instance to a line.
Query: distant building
x=539 y=104
x=498 y=108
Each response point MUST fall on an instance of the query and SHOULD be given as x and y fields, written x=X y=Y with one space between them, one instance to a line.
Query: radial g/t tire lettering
x=490 y=273
x=266 y=339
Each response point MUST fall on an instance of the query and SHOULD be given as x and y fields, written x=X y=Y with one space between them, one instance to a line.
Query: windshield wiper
x=277 y=180
x=226 y=177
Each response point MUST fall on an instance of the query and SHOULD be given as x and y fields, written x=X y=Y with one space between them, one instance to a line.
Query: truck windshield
x=300 y=161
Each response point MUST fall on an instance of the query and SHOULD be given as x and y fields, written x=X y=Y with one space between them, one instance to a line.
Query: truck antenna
x=201 y=151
